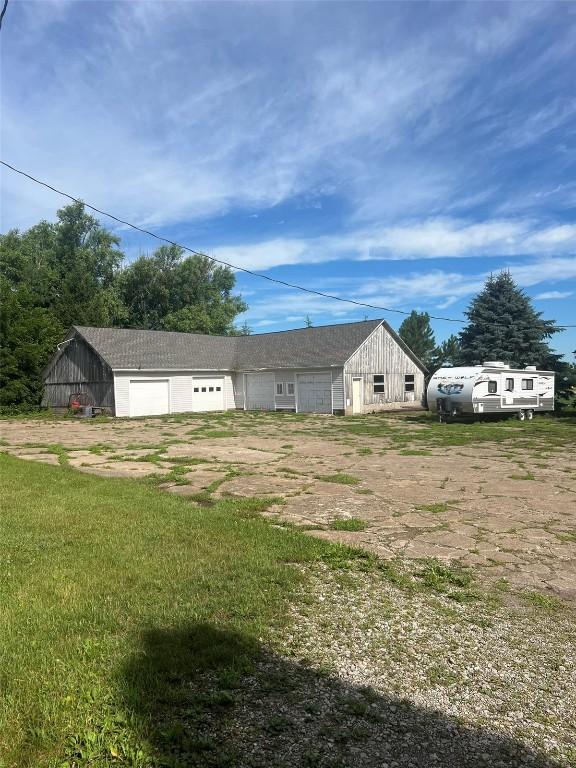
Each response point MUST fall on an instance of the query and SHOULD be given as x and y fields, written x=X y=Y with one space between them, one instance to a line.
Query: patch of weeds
x=341 y=557
x=546 y=602
x=436 y=508
x=339 y=477
x=415 y=452
x=527 y=476
x=441 y=578
x=287 y=447
x=365 y=491
x=364 y=451
x=352 y=524
x=565 y=536
x=202 y=434
x=439 y=675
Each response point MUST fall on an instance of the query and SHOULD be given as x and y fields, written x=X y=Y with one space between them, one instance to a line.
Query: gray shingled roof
x=326 y=345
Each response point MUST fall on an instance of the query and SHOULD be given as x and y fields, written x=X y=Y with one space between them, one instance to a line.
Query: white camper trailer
x=493 y=387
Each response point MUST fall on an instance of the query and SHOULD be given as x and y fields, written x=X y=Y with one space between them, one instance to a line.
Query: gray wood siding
x=381 y=354
x=79 y=369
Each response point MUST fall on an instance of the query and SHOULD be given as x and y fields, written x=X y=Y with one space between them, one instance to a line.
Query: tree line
x=72 y=272
x=502 y=325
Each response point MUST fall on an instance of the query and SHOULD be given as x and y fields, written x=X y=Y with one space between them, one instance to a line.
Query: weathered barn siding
x=181 y=388
x=381 y=354
x=79 y=369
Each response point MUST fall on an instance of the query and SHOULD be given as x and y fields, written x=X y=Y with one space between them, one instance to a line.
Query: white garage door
x=260 y=392
x=314 y=392
x=149 y=397
x=208 y=394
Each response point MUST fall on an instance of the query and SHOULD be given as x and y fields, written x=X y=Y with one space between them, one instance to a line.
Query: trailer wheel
x=521 y=415
x=530 y=415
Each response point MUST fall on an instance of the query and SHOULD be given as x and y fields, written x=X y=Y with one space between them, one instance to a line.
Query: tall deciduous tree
x=52 y=276
x=503 y=325
x=418 y=334
x=169 y=292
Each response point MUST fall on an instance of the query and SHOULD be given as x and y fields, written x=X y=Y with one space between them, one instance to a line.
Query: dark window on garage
x=379 y=383
x=210 y=389
x=203 y=389
x=279 y=388
x=290 y=387
x=509 y=385
x=196 y=389
x=218 y=389
x=409 y=382
x=492 y=387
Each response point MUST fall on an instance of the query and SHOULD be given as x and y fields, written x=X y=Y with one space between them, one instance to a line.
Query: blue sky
x=396 y=153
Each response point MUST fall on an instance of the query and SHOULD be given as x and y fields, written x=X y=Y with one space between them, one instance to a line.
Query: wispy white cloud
x=150 y=109
x=548 y=295
x=433 y=290
x=437 y=238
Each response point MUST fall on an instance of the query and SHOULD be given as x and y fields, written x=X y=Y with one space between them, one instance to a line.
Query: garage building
x=347 y=368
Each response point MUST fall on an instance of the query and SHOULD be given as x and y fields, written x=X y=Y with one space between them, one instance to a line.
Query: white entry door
x=149 y=397
x=207 y=394
x=260 y=392
x=314 y=392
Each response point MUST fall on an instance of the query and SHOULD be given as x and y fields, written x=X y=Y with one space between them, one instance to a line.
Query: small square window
x=509 y=385
x=203 y=389
x=218 y=389
x=290 y=387
x=527 y=383
x=196 y=389
x=210 y=389
x=492 y=387
x=279 y=388
x=409 y=382
x=378 y=383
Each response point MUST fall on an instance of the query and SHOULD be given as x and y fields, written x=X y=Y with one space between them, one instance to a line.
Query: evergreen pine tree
x=504 y=326
x=418 y=334
x=446 y=353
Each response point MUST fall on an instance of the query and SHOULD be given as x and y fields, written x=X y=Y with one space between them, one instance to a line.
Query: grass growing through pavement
x=352 y=524
x=339 y=477
x=93 y=565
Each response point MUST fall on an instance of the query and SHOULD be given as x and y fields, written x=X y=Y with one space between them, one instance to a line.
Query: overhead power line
x=270 y=279
x=3 y=12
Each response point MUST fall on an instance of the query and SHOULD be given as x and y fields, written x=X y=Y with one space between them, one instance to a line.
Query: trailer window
x=409 y=382
x=509 y=385
x=492 y=387
x=527 y=383
x=379 y=383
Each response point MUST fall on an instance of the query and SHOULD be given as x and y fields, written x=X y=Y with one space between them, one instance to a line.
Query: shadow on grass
x=206 y=697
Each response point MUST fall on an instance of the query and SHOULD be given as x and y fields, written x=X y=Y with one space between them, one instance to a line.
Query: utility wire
x=233 y=266
x=3 y=12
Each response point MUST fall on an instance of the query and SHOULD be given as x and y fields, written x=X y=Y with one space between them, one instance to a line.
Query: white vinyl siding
x=283 y=399
x=338 y=389
x=181 y=390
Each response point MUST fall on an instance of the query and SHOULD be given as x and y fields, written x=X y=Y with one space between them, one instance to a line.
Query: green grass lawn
x=114 y=595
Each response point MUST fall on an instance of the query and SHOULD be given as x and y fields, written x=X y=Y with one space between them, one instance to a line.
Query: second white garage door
x=149 y=397
x=260 y=392
x=315 y=392
x=208 y=394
